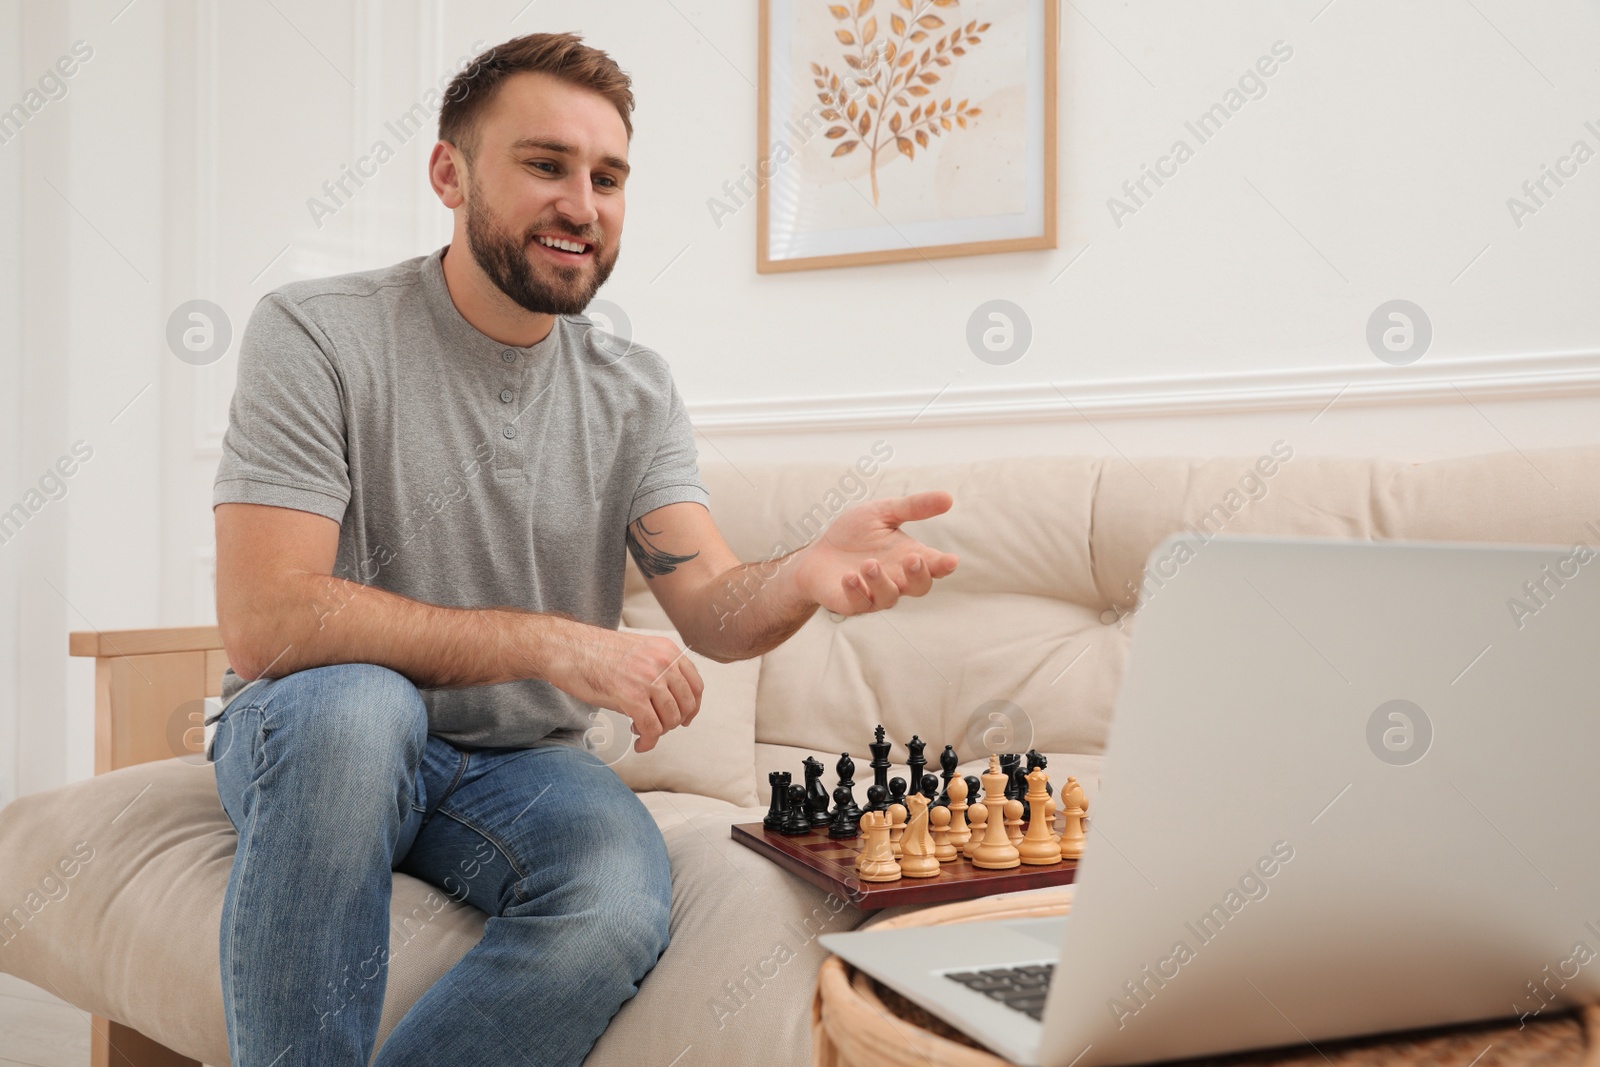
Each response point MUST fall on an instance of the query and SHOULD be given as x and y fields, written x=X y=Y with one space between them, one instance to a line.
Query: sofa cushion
x=735 y=984
x=116 y=884
x=1053 y=550
x=712 y=755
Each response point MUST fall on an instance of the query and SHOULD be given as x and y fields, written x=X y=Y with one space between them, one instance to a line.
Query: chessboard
x=920 y=840
x=830 y=864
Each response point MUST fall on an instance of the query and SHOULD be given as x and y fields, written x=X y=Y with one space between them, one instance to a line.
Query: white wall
x=10 y=389
x=1228 y=311
x=91 y=291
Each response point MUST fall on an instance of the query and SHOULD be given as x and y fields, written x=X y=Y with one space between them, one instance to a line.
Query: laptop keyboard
x=1023 y=988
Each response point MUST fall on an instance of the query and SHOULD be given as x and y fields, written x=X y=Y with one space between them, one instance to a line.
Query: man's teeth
x=565 y=246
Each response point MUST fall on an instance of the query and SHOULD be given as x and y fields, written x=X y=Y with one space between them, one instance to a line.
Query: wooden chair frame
x=140 y=676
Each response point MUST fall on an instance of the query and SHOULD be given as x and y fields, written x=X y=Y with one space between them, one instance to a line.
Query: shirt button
x=505 y=394
x=509 y=356
x=510 y=431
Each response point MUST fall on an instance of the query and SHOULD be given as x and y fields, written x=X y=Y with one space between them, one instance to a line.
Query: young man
x=430 y=480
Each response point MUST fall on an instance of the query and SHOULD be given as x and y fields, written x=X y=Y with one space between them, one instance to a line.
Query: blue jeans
x=332 y=781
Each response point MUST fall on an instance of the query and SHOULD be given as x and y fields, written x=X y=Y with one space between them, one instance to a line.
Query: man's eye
x=540 y=163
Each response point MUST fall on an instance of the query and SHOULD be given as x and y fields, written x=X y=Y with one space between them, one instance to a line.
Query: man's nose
x=576 y=203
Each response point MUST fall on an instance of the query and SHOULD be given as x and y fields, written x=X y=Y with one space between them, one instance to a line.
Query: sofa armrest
x=150 y=691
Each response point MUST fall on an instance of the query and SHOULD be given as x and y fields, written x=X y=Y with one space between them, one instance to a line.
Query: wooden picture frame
x=866 y=200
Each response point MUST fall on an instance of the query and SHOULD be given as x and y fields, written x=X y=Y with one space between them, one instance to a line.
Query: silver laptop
x=1350 y=788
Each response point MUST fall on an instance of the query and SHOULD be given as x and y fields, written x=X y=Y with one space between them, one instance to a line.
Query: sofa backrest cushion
x=1036 y=620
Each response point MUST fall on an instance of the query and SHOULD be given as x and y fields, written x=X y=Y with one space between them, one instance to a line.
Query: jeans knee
x=350 y=715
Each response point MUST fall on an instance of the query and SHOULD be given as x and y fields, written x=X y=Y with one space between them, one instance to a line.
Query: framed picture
x=904 y=129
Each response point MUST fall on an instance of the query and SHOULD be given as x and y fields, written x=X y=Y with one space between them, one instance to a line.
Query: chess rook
x=779 y=780
x=876 y=862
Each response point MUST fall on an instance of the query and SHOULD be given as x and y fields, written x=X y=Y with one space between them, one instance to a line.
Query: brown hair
x=560 y=54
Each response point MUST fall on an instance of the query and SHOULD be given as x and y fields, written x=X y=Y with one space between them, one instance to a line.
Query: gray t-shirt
x=462 y=472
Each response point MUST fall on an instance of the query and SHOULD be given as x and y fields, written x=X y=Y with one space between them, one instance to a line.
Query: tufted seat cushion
x=149 y=849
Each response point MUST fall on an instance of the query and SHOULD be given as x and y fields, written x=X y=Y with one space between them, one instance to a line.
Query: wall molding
x=1445 y=381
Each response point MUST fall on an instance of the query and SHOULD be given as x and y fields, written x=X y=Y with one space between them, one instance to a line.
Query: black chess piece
x=1010 y=764
x=930 y=787
x=877 y=798
x=846 y=817
x=948 y=761
x=776 y=810
x=847 y=773
x=897 y=791
x=816 y=792
x=880 y=764
x=974 y=789
x=915 y=760
x=796 y=821
x=1036 y=762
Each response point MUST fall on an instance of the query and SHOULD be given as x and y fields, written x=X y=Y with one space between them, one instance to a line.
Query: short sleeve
x=672 y=475
x=285 y=442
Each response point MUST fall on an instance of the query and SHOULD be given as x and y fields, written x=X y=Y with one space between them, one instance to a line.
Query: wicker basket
x=857 y=1023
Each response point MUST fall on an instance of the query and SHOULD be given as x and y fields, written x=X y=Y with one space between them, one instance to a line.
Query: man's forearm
x=315 y=619
x=748 y=610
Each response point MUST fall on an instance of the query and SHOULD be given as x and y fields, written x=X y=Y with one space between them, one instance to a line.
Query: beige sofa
x=1025 y=643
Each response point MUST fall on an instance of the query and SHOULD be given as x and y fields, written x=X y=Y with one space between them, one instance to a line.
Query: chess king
x=469 y=388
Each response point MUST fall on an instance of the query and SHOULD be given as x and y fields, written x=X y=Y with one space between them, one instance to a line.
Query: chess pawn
x=916 y=847
x=943 y=850
x=996 y=852
x=796 y=819
x=1050 y=816
x=877 y=798
x=1038 y=845
x=897 y=790
x=876 y=863
x=975 y=818
x=897 y=828
x=1014 y=821
x=846 y=822
x=960 y=833
x=1073 y=807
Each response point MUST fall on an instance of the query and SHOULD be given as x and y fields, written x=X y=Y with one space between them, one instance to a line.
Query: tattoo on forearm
x=652 y=561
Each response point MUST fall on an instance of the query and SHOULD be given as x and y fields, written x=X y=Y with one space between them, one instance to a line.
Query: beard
x=551 y=289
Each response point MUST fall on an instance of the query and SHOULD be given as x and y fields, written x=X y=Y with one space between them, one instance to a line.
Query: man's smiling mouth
x=563 y=245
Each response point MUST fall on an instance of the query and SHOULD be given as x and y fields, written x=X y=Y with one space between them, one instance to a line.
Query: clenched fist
x=648 y=679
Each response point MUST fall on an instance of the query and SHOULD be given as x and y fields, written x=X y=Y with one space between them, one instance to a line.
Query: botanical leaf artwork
x=886 y=102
